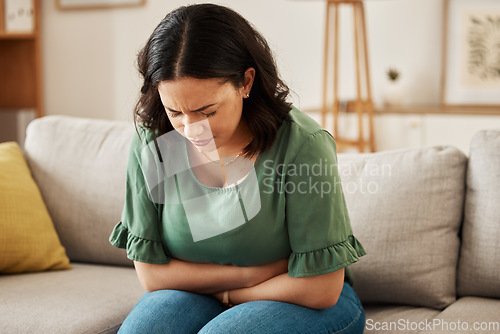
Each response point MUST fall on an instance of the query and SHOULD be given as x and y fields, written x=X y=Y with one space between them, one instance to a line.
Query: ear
x=247 y=82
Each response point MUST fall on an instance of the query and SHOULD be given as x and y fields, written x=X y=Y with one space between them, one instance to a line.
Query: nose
x=194 y=129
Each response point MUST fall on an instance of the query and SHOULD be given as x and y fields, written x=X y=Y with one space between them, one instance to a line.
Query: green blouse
x=291 y=204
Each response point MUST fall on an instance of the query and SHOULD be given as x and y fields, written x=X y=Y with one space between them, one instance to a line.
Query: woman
x=234 y=214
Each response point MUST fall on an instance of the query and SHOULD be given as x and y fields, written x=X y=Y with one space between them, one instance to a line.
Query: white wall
x=78 y=60
x=89 y=55
x=407 y=35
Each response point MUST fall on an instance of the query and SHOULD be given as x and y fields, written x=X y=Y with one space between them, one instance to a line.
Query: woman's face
x=206 y=112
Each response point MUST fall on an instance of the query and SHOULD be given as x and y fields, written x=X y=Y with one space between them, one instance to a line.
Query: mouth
x=201 y=142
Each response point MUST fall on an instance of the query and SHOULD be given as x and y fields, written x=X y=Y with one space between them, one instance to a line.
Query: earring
x=248 y=95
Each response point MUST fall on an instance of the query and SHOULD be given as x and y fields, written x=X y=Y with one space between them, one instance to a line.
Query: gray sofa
x=429 y=219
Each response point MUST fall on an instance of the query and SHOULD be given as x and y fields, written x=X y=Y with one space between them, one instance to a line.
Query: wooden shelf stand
x=363 y=104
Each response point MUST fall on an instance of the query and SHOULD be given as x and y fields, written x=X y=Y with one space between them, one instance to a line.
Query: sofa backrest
x=406 y=209
x=479 y=270
x=80 y=167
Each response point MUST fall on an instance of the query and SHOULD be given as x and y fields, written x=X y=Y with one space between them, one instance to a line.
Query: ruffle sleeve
x=139 y=230
x=138 y=249
x=319 y=228
x=327 y=259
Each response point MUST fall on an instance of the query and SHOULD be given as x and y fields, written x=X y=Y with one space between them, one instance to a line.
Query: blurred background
x=87 y=61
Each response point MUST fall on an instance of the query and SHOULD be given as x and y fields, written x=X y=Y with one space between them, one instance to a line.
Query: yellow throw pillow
x=28 y=240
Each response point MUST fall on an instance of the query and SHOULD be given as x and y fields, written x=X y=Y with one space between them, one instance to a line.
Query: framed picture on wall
x=96 y=4
x=471 y=53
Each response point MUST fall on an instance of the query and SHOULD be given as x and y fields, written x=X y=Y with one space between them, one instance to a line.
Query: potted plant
x=393 y=93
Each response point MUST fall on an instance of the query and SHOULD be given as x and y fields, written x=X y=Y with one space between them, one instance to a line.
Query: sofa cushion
x=80 y=167
x=469 y=315
x=396 y=319
x=87 y=299
x=406 y=209
x=478 y=271
x=28 y=240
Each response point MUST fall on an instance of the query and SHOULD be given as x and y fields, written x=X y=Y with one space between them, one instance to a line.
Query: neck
x=242 y=137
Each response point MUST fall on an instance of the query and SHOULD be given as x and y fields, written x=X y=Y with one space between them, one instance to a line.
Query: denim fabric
x=172 y=311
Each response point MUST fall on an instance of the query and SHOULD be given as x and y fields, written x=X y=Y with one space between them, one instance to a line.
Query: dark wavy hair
x=209 y=41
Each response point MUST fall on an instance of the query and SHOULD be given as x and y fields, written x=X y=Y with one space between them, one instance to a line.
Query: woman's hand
x=218 y=295
x=258 y=274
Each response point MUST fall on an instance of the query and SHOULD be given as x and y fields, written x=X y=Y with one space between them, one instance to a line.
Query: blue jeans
x=172 y=311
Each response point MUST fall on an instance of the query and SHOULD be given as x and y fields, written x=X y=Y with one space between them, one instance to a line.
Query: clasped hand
x=256 y=275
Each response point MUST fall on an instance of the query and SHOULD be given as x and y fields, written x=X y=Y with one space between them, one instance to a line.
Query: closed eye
x=176 y=114
x=210 y=114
